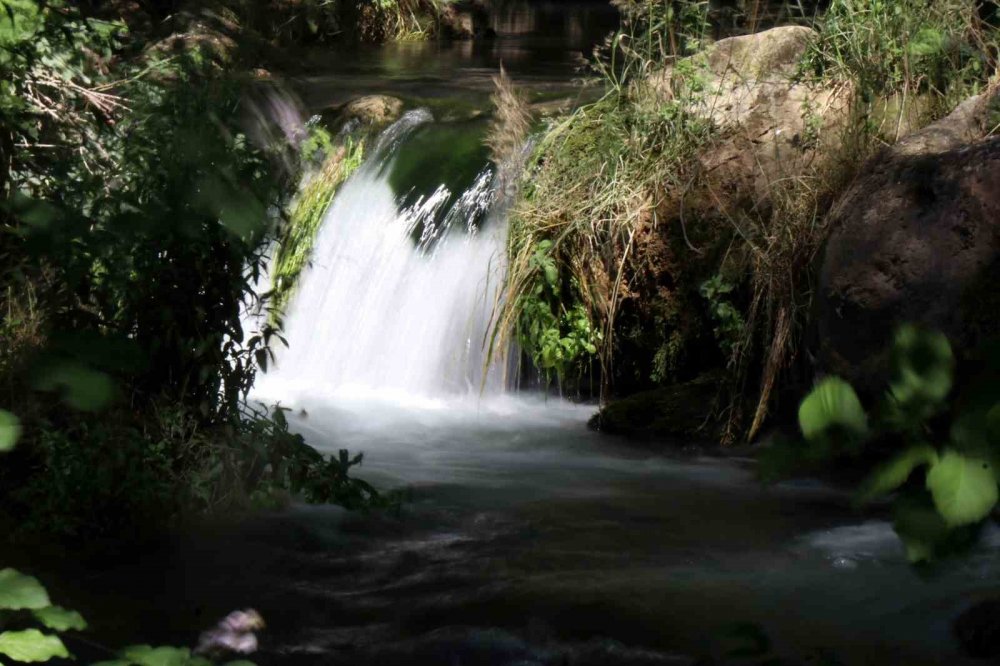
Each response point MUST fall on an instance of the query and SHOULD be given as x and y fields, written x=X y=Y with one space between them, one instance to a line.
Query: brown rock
x=916 y=239
x=376 y=110
x=773 y=126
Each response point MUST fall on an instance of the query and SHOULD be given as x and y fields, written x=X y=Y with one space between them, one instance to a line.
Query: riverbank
x=709 y=175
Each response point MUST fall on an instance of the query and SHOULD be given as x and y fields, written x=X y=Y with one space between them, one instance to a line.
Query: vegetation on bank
x=35 y=630
x=629 y=262
x=264 y=28
x=135 y=212
x=294 y=246
x=928 y=443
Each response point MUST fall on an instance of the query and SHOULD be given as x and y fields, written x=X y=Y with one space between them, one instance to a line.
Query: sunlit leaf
x=10 y=430
x=60 y=619
x=81 y=387
x=31 y=645
x=894 y=473
x=964 y=488
x=922 y=367
x=927 y=42
x=832 y=406
x=18 y=591
x=19 y=21
x=146 y=655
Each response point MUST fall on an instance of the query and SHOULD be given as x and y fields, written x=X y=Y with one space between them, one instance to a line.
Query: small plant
x=729 y=322
x=940 y=459
x=559 y=340
x=25 y=606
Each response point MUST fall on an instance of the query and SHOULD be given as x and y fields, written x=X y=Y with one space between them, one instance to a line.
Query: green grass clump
x=594 y=183
x=296 y=243
x=909 y=61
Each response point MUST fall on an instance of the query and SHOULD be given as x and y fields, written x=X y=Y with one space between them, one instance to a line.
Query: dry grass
x=511 y=122
x=609 y=176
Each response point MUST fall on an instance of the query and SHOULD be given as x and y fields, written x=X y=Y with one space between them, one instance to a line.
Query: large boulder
x=916 y=238
x=771 y=125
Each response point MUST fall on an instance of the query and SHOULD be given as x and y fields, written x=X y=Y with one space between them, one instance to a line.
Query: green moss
x=296 y=243
x=449 y=154
x=680 y=412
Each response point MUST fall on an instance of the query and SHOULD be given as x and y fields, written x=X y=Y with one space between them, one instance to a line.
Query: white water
x=380 y=315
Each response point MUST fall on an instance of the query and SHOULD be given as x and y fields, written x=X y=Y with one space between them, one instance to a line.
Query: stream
x=525 y=538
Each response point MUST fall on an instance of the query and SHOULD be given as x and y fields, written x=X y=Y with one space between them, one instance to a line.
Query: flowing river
x=525 y=538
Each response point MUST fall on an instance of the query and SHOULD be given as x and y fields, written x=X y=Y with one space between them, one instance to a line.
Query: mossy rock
x=374 y=110
x=682 y=413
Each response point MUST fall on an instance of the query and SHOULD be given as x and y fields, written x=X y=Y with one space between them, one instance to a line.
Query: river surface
x=525 y=537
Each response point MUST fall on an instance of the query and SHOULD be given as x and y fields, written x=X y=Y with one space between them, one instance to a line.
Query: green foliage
x=593 y=182
x=893 y=474
x=921 y=369
x=959 y=490
x=832 y=410
x=295 y=243
x=653 y=32
x=560 y=340
x=10 y=430
x=19 y=591
x=31 y=645
x=964 y=488
x=60 y=619
x=729 y=322
x=134 y=214
x=938 y=51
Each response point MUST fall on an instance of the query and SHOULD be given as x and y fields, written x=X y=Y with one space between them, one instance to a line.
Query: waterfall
x=397 y=301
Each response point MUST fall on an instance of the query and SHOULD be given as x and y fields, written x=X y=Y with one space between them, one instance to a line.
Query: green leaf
x=919 y=526
x=922 y=367
x=145 y=655
x=964 y=488
x=894 y=473
x=18 y=591
x=10 y=430
x=60 y=619
x=19 y=21
x=927 y=42
x=832 y=406
x=82 y=388
x=31 y=645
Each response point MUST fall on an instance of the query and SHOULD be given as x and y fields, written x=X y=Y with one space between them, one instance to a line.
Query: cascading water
x=397 y=302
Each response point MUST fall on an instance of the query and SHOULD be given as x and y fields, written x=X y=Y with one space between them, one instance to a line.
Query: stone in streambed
x=681 y=412
x=373 y=110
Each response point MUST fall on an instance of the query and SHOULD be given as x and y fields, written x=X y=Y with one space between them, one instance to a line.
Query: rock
x=978 y=630
x=465 y=20
x=678 y=412
x=457 y=23
x=773 y=127
x=916 y=238
x=374 y=110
